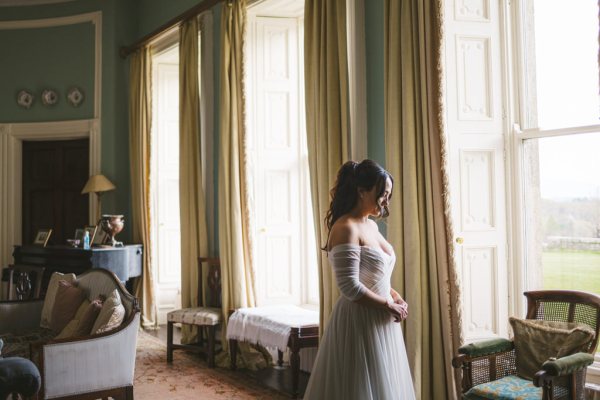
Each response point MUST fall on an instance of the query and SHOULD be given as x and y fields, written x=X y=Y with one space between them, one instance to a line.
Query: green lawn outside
x=572 y=269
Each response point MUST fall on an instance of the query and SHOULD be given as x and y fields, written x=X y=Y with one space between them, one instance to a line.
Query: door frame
x=11 y=174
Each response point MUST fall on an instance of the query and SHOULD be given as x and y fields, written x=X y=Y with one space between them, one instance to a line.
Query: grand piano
x=125 y=261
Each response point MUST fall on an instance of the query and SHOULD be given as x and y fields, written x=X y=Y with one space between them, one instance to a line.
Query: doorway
x=54 y=172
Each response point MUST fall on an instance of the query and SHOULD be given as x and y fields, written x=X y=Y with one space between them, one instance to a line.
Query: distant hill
x=574 y=217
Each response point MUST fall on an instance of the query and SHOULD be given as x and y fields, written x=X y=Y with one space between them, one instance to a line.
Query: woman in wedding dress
x=361 y=355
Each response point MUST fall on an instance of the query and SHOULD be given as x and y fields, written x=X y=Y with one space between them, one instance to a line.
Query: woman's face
x=374 y=205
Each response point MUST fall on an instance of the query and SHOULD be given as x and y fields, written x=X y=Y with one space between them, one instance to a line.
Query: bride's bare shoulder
x=344 y=231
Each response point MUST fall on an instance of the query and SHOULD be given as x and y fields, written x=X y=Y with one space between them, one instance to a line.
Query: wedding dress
x=361 y=355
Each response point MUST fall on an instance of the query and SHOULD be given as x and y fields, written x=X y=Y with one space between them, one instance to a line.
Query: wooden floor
x=278 y=379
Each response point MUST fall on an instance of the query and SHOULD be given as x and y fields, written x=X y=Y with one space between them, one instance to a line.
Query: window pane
x=566 y=62
x=563 y=212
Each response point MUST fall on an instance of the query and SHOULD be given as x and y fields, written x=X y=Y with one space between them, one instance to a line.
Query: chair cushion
x=68 y=299
x=69 y=329
x=51 y=296
x=196 y=316
x=111 y=315
x=508 y=388
x=536 y=341
x=18 y=345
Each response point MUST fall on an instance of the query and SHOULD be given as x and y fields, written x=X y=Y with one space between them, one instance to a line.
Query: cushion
x=196 y=316
x=88 y=319
x=68 y=299
x=112 y=314
x=536 y=341
x=508 y=388
x=69 y=330
x=51 y=295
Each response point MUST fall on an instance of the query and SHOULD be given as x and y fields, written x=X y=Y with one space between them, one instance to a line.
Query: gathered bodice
x=375 y=266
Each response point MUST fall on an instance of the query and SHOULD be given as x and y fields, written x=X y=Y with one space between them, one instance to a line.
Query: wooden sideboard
x=125 y=262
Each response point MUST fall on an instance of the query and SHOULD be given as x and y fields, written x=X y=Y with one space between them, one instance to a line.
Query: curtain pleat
x=327 y=122
x=419 y=225
x=140 y=110
x=234 y=229
x=194 y=241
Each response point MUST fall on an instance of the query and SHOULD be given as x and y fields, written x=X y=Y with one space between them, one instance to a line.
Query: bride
x=361 y=355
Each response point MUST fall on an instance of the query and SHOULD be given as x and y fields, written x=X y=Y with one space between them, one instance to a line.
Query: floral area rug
x=188 y=377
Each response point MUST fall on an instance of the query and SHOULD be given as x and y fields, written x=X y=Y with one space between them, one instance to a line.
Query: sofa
x=86 y=366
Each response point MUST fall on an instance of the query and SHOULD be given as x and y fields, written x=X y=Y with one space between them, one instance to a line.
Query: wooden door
x=54 y=174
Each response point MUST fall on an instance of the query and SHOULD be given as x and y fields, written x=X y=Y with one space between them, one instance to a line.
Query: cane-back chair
x=489 y=367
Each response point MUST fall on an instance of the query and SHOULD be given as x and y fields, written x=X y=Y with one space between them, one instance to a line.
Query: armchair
x=490 y=366
x=86 y=367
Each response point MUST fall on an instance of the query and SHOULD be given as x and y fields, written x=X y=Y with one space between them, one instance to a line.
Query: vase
x=112 y=225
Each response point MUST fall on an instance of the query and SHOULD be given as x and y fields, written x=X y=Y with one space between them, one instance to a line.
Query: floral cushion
x=18 y=345
x=507 y=388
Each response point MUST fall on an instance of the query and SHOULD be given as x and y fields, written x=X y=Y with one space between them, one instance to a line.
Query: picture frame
x=100 y=238
x=92 y=230
x=42 y=236
x=79 y=234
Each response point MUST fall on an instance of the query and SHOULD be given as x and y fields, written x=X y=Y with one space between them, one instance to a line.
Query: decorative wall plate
x=49 y=97
x=75 y=96
x=24 y=99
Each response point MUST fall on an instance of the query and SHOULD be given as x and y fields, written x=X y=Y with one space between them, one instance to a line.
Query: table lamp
x=98 y=184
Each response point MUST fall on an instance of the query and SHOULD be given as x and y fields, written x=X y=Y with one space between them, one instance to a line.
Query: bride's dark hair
x=351 y=177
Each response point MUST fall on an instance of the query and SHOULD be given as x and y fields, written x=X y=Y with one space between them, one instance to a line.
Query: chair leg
x=211 y=346
x=279 y=358
x=129 y=393
x=233 y=353
x=169 y=342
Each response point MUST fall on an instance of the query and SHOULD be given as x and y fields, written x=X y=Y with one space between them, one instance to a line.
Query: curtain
x=234 y=214
x=140 y=110
x=419 y=225
x=327 y=126
x=194 y=241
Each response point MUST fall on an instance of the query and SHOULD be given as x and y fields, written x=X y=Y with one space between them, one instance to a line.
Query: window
x=560 y=146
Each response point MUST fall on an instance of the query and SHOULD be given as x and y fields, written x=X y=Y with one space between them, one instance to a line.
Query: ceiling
x=14 y=3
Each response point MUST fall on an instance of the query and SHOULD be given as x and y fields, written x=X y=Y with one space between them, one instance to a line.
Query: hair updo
x=351 y=177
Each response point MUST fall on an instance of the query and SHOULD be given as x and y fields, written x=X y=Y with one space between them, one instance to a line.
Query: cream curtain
x=194 y=242
x=140 y=110
x=326 y=85
x=419 y=225
x=234 y=214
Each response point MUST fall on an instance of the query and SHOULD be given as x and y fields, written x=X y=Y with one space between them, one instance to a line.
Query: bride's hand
x=398 y=310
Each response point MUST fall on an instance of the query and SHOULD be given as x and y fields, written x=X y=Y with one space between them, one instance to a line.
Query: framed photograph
x=42 y=236
x=92 y=230
x=100 y=238
x=79 y=235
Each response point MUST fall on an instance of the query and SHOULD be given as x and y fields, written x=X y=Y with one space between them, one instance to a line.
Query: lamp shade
x=98 y=183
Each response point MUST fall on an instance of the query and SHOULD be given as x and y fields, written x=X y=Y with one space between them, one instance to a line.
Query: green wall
x=36 y=65
x=64 y=56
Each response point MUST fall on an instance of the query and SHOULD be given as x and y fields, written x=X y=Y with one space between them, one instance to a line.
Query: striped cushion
x=507 y=388
x=196 y=316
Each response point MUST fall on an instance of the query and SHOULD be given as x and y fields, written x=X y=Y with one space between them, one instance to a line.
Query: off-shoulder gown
x=361 y=355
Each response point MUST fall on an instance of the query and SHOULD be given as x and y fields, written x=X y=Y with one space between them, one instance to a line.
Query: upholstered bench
x=280 y=327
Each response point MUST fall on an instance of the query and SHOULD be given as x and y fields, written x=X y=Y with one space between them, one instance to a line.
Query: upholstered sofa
x=92 y=366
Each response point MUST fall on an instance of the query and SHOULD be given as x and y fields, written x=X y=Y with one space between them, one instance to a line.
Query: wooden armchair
x=207 y=316
x=24 y=282
x=493 y=362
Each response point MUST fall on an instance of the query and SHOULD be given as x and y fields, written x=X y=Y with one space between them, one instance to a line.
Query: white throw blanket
x=269 y=326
